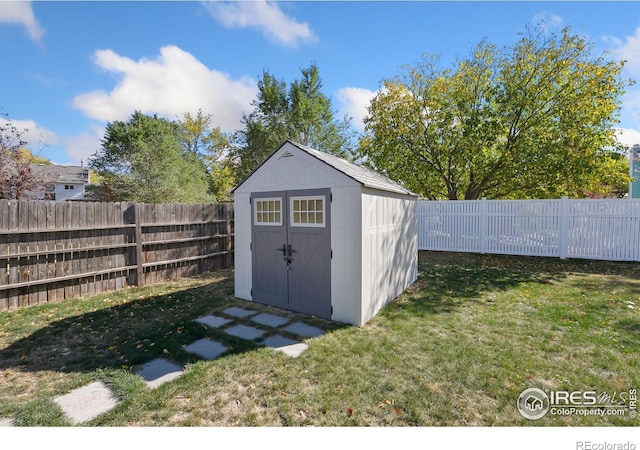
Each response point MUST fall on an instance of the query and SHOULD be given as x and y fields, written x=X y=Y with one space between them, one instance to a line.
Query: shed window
x=268 y=211
x=307 y=211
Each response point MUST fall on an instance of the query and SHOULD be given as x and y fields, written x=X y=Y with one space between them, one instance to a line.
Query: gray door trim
x=303 y=285
x=269 y=281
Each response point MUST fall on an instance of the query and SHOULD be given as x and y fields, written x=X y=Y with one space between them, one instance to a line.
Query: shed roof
x=361 y=174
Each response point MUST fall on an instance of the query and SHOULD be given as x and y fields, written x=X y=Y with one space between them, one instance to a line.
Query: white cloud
x=628 y=136
x=20 y=12
x=355 y=102
x=263 y=15
x=81 y=146
x=33 y=134
x=547 y=22
x=172 y=84
x=628 y=50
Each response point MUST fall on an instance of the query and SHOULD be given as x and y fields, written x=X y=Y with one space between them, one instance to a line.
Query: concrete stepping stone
x=6 y=423
x=304 y=330
x=212 y=321
x=239 y=312
x=159 y=371
x=269 y=320
x=206 y=348
x=285 y=345
x=245 y=332
x=86 y=403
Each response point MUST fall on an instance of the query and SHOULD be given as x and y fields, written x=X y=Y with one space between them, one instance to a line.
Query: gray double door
x=291 y=250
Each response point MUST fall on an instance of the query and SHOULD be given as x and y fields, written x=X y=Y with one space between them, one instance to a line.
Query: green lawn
x=456 y=349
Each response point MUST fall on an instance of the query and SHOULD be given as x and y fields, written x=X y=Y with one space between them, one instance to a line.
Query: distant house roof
x=64 y=174
x=361 y=174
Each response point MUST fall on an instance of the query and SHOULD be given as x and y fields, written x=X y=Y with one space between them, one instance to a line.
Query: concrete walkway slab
x=86 y=403
x=239 y=312
x=212 y=321
x=206 y=348
x=304 y=330
x=6 y=423
x=269 y=320
x=287 y=346
x=159 y=371
x=245 y=332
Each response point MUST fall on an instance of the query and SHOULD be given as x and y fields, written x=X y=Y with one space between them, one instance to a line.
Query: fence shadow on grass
x=120 y=336
x=138 y=331
x=446 y=281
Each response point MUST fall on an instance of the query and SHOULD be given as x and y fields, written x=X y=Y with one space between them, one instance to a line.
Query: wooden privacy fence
x=591 y=229
x=50 y=251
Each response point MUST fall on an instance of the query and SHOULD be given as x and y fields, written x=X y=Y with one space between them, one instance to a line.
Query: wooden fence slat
x=50 y=251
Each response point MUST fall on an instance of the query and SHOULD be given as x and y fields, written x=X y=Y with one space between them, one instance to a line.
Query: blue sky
x=69 y=68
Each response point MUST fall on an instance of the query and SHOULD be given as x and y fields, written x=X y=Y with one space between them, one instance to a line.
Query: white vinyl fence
x=592 y=229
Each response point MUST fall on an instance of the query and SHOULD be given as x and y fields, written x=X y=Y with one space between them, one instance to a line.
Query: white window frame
x=255 y=211
x=308 y=197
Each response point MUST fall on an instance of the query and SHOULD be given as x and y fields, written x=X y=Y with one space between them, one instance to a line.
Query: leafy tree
x=143 y=160
x=535 y=120
x=301 y=113
x=19 y=179
x=212 y=146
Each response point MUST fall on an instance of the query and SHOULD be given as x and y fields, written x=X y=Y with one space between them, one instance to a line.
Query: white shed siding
x=346 y=290
x=389 y=248
x=242 y=240
x=302 y=171
x=373 y=229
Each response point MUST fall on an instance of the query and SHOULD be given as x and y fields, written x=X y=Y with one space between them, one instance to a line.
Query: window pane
x=277 y=208
x=258 y=217
x=312 y=218
x=319 y=218
x=271 y=217
x=296 y=205
x=270 y=206
x=258 y=206
x=318 y=205
x=303 y=217
x=277 y=217
x=303 y=205
x=296 y=217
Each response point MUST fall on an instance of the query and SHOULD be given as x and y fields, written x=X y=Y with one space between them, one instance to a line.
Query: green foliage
x=301 y=113
x=143 y=160
x=532 y=121
x=210 y=144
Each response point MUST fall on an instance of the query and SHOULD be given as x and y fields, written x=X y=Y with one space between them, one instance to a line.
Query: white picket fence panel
x=606 y=229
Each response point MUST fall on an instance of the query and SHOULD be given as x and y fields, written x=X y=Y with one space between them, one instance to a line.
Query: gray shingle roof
x=64 y=174
x=362 y=175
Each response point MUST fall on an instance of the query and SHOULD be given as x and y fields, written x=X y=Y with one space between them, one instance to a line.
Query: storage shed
x=320 y=235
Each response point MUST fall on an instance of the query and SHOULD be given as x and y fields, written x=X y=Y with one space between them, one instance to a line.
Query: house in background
x=66 y=182
x=634 y=171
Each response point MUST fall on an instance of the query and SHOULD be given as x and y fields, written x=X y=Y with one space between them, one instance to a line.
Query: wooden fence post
x=137 y=218
x=229 y=216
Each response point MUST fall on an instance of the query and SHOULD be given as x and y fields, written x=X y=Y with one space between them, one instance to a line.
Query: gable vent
x=286 y=154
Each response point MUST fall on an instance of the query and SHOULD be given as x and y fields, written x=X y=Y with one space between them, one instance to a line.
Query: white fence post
x=564 y=227
x=484 y=218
